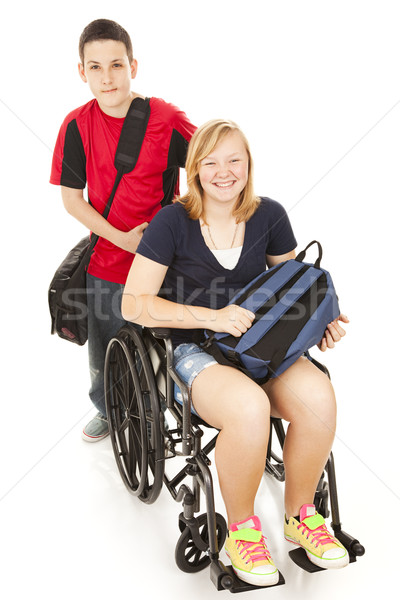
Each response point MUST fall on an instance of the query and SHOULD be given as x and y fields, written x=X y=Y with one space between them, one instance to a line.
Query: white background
x=315 y=86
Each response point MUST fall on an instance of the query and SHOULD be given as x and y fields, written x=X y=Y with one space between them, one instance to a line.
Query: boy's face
x=108 y=72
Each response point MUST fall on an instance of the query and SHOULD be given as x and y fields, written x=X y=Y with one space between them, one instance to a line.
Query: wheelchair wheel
x=134 y=413
x=188 y=556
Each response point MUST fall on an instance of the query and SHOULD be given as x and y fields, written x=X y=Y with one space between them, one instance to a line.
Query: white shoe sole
x=256 y=579
x=90 y=439
x=323 y=563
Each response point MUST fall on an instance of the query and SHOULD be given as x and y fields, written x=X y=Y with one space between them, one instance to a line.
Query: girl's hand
x=333 y=333
x=232 y=319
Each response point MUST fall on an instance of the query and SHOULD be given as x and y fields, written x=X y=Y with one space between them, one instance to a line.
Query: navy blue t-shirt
x=195 y=277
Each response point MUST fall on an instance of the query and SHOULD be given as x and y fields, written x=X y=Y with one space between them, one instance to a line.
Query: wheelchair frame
x=139 y=388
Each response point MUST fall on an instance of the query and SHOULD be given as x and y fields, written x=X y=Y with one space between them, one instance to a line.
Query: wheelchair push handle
x=300 y=257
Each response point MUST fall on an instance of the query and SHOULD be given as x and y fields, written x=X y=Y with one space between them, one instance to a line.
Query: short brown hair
x=203 y=142
x=104 y=29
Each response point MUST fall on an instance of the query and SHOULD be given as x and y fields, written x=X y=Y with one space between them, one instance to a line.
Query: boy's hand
x=130 y=239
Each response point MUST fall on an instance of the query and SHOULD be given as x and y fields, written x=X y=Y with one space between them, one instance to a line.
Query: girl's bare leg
x=304 y=397
x=228 y=400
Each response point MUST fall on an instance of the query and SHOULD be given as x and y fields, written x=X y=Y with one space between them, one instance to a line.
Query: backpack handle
x=300 y=257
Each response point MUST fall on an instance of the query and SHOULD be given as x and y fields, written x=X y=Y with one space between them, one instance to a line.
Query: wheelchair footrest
x=300 y=558
x=224 y=578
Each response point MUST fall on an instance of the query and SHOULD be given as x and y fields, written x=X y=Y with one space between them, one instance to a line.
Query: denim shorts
x=189 y=361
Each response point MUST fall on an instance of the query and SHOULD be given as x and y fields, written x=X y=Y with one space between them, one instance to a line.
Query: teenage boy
x=84 y=155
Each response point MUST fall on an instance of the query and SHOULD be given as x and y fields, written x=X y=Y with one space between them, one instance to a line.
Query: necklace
x=211 y=238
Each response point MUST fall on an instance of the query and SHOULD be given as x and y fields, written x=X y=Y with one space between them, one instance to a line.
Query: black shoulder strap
x=129 y=146
x=132 y=135
x=130 y=142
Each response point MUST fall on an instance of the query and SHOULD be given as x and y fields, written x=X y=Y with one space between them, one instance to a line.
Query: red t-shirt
x=84 y=155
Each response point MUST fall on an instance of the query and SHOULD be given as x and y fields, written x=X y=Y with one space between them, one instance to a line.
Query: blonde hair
x=203 y=142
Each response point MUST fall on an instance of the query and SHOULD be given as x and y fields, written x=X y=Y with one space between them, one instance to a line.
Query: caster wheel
x=227 y=582
x=188 y=556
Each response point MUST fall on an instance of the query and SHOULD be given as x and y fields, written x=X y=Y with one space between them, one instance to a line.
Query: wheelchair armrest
x=163 y=333
x=160 y=333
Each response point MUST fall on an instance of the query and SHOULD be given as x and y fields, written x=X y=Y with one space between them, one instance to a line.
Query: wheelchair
x=139 y=391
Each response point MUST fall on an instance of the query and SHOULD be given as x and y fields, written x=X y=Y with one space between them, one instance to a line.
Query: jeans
x=104 y=321
x=189 y=361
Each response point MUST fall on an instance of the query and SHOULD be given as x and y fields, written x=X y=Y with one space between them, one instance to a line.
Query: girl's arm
x=275 y=260
x=141 y=304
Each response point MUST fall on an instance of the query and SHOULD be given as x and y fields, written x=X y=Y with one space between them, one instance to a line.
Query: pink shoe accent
x=256 y=551
x=320 y=535
x=250 y=523
x=307 y=510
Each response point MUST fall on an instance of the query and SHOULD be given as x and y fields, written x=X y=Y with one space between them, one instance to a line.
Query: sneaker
x=322 y=548
x=247 y=550
x=96 y=429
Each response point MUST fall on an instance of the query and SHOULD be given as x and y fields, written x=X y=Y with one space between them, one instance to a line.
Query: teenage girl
x=202 y=250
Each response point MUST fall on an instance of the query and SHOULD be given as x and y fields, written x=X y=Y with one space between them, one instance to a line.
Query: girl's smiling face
x=223 y=173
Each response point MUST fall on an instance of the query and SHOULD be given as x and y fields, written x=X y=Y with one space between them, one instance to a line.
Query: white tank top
x=229 y=257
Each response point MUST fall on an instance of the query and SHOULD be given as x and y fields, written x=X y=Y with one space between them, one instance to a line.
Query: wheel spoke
x=204 y=533
x=134 y=454
x=197 y=557
x=192 y=552
x=121 y=428
x=124 y=445
x=123 y=381
x=134 y=429
x=127 y=388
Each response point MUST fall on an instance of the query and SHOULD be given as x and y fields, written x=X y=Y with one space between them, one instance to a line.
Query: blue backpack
x=293 y=303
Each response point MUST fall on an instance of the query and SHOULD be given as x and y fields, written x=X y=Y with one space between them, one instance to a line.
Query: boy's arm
x=76 y=205
x=183 y=130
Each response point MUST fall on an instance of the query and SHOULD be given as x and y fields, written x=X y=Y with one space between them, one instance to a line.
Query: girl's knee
x=320 y=405
x=251 y=411
x=309 y=401
x=230 y=400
